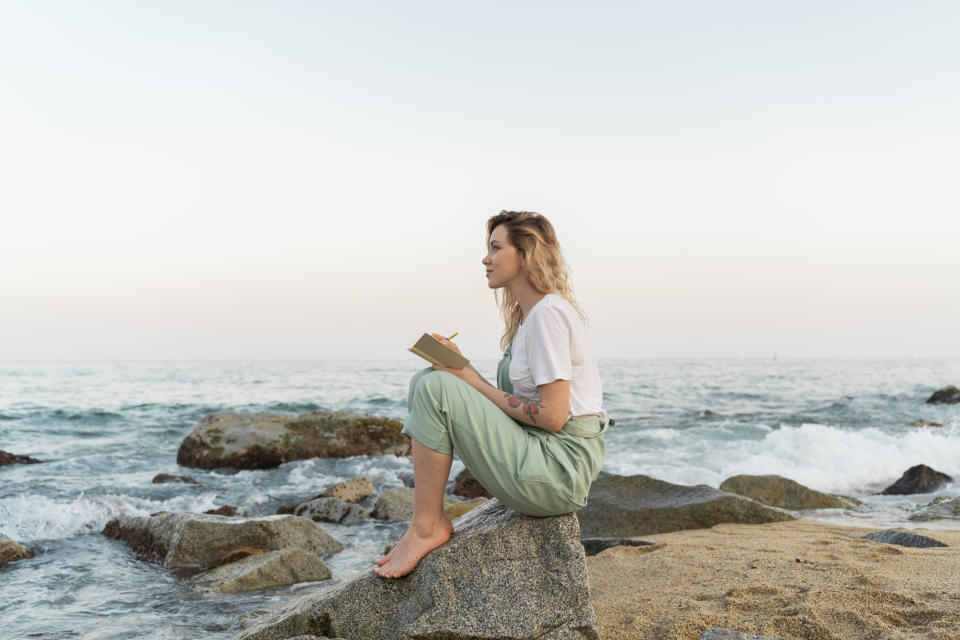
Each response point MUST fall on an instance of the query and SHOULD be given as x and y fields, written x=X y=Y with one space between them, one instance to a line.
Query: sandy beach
x=799 y=579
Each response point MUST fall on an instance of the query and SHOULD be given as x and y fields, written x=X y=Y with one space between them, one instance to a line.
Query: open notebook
x=435 y=352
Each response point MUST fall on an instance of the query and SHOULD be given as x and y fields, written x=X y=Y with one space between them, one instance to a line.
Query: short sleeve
x=548 y=346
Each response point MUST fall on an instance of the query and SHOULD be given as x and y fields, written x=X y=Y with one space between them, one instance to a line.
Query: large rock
x=192 y=539
x=467 y=486
x=947 y=395
x=11 y=458
x=331 y=510
x=502 y=575
x=397 y=504
x=918 y=479
x=941 y=508
x=904 y=538
x=626 y=506
x=263 y=571
x=267 y=440
x=11 y=551
x=777 y=491
x=355 y=490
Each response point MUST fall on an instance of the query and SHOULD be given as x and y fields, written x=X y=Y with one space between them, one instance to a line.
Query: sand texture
x=798 y=579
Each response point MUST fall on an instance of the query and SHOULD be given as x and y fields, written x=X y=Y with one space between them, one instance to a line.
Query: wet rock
x=593 y=546
x=236 y=554
x=903 y=538
x=166 y=477
x=918 y=479
x=627 y=506
x=941 y=508
x=502 y=575
x=947 y=395
x=925 y=423
x=11 y=550
x=331 y=510
x=267 y=440
x=354 y=490
x=11 y=458
x=777 y=491
x=177 y=539
x=397 y=504
x=715 y=633
x=466 y=486
x=263 y=571
x=226 y=510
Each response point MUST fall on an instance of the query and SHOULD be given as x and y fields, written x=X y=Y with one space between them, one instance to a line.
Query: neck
x=525 y=295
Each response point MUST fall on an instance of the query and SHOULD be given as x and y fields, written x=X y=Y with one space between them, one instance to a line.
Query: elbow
x=555 y=424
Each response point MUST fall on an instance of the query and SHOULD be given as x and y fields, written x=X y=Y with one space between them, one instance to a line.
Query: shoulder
x=554 y=306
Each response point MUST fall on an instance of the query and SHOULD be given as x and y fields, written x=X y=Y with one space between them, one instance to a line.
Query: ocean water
x=106 y=428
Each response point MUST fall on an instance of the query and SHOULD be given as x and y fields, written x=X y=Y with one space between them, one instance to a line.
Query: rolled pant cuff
x=414 y=429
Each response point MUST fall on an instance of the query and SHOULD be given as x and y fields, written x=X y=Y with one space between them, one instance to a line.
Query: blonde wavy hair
x=544 y=265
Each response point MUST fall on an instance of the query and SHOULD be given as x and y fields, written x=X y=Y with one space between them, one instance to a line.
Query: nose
x=486 y=259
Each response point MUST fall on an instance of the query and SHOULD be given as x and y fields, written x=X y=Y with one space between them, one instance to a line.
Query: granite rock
x=940 y=508
x=11 y=550
x=903 y=538
x=627 y=506
x=177 y=539
x=918 y=479
x=397 y=504
x=354 y=490
x=466 y=486
x=262 y=571
x=947 y=395
x=161 y=478
x=11 y=458
x=777 y=491
x=331 y=510
x=502 y=575
x=267 y=440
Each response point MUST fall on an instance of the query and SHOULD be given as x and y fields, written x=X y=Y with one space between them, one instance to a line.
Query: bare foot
x=381 y=561
x=415 y=543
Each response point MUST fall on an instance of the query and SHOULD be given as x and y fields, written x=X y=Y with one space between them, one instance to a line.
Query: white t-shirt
x=551 y=344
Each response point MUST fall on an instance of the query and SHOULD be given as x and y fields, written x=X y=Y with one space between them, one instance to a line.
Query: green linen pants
x=527 y=468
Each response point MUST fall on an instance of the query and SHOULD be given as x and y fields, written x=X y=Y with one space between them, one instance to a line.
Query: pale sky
x=311 y=179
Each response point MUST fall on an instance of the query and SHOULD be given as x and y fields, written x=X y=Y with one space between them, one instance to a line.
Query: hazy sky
x=311 y=179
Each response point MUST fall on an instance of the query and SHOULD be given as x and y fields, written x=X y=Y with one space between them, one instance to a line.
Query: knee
x=417 y=376
x=424 y=381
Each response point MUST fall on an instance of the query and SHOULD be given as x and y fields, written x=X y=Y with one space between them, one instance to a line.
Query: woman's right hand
x=446 y=343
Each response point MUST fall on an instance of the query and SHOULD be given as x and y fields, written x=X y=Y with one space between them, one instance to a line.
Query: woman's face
x=502 y=260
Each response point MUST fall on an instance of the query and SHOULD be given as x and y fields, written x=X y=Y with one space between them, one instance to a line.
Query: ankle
x=427 y=527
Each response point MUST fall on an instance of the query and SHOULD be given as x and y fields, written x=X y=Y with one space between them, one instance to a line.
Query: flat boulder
x=777 y=491
x=918 y=479
x=11 y=550
x=940 y=508
x=267 y=440
x=947 y=395
x=502 y=575
x=331 y=510
x=11 y=458
x=397 y=504
x=925 y=423
x=903 y=538
x=263 y=571
x=355 y=490
x=627 y=506
x=178 y=539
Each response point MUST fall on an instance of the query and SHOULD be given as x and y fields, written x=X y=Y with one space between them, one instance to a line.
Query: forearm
x=526 y=410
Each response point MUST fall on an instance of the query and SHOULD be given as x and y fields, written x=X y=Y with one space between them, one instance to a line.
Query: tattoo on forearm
x=531 y=407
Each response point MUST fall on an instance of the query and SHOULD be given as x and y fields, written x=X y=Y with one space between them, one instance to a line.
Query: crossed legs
x=430 y=527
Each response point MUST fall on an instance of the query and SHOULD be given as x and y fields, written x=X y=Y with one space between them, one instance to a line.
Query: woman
x=534 y=441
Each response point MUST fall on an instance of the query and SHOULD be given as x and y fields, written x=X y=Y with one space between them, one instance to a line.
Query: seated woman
x=535 y=441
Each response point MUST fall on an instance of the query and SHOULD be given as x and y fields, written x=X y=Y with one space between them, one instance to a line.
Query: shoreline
x=798 y=579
